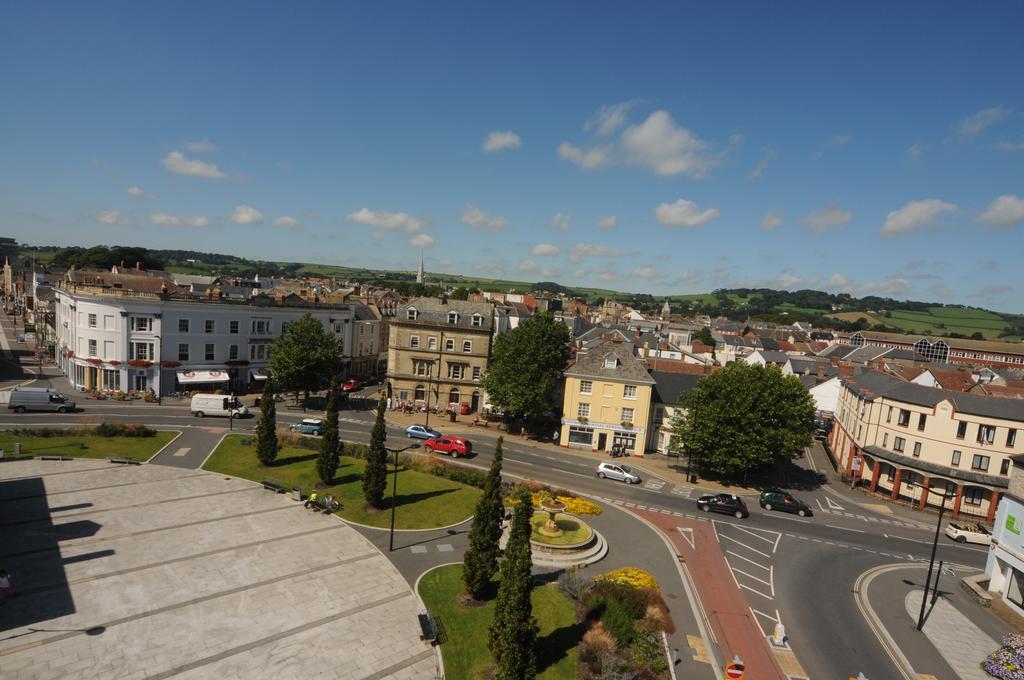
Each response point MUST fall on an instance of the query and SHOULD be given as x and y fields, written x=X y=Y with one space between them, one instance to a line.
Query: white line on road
x=730 y=538
x=759 y=580
x=756 y=564
x=767 y=597
x=859 y=531
x=181 y=452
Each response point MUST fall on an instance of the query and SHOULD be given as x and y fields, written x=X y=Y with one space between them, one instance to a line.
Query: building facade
x=1005 y=564
x=918 y=444
x=942 y=350
x=120 y=339
x=438 y=352
x=607 y=399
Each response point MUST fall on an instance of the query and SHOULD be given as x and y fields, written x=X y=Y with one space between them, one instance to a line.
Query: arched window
x=453 y=397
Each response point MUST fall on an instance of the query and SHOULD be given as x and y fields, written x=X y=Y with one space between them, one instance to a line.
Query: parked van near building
x=218 y=405
x=39 y=399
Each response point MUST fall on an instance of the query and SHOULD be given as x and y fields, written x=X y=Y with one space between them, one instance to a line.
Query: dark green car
x=774 y=499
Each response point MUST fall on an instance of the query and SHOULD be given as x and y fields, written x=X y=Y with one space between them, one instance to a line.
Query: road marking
x=445 y=547
x=687 y=534
x=774 y=544
x=833 y=505
x=181 y=452
x=767 y=597
x=747 y=559
x=730 y=538
x=859 y=531
x=759 y=580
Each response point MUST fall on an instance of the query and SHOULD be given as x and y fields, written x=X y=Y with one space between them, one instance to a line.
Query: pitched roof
x=952 y=379
x=432 y=311
x=628 y=367
x=668 y=386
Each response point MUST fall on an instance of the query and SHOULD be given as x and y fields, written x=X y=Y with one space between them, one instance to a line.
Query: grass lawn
x=465 y=652
x=136 y=448
x=424 y=501
x=573 y=530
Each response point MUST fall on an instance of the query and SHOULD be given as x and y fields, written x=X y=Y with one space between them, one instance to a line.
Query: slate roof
x=774 y=357
x=630 y=368
x=836 y=351
x=873 y=384
x=668 y=386
x=434 y=312
x=935 y=468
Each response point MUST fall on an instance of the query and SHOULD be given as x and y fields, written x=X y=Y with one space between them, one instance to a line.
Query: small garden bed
x=573 y=530
x=110 y=440
x=424 y=501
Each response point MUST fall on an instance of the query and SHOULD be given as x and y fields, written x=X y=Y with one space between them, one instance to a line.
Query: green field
x=88 y=446
x=424 y=501
x=464 y=647
x=937 y=321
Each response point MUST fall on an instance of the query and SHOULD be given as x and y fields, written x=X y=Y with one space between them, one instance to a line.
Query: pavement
x=151 y=571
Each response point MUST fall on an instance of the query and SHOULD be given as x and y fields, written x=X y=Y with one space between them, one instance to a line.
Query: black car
x=773 y=499
x=725 y=503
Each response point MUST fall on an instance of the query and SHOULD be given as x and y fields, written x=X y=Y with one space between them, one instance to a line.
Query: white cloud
x=607 y=222
x=179 y=221
x=545 y=249
x=388 y=221
x=788 y=280
x=376 y=235
x=286 y=221
x=833 y=142
x=610 y=118
x=771 y=220
x=113 y=217
x=767 y=155
x=139 y=193
x=839 y=282
x=1010 y=147
x=202 y=146
x=991 y=291
x=916 y=150
x=561 y=222
x=916 y=215
x=977 y=122
x=645 y=273
x=179 y=163
x=665 y=148
x=683 y=213
x=245 y=214
x=894 y=286
x=528 y=266
x=421 y=241
x=499 y=141
x=1005 y=211
x=828 y=218
x=594 y=250
x=478 y=219
x=588 y=159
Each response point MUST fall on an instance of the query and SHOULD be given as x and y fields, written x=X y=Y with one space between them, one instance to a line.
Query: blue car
x=308 y=426
x=421 y=432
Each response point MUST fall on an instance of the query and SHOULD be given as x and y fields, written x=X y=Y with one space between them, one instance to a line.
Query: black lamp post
x=394 y=493
x=931 y=563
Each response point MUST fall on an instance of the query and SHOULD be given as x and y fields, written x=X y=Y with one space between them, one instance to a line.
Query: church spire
x=421 y=275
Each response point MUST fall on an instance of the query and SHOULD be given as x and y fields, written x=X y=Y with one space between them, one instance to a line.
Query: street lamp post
x=931 y=563
x=394 y=493
x=159 y=371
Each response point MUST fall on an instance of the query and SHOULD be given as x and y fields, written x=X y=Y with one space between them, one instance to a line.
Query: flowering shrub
x=574 y=505
x=632 y=577
x=1007 y=662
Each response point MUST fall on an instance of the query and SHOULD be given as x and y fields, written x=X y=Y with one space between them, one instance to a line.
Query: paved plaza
x=156 y=572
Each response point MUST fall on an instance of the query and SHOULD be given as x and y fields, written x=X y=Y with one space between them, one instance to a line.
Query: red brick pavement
x=727 y=611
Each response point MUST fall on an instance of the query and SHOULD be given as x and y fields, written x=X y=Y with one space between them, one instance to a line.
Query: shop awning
x=258 y=373
x=214 y=376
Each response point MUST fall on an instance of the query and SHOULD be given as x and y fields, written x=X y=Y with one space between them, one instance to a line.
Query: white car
x=622 y=473
x=964 y=533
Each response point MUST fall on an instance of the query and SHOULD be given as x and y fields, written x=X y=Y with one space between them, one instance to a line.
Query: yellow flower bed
x=632 y=577
x=573 y=504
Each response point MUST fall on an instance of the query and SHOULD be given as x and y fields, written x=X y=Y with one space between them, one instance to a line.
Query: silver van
x=39 y=399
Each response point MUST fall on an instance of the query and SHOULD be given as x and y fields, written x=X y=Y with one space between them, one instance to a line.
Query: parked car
x=351 y=385
x=421 y=432
x=966 y=533
x=39 y=399
x=452 y=446
x=308 y=426
x=622 y=473
x=773 y=499
x=725 y=503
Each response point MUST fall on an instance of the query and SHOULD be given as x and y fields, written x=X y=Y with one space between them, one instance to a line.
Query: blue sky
x=873 y=148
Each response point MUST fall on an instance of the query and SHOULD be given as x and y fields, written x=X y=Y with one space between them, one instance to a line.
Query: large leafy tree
x=480 y=563
x=526 y=367
x=330 y=441
x=513 y=631
x=744 y=417
x=375 y=476
x=267 y=445
x=306 y=356
x=704 y=336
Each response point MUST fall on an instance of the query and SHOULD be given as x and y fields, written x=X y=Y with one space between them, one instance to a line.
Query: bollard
x=779 y=635
x=1 y=453
x=17 y=448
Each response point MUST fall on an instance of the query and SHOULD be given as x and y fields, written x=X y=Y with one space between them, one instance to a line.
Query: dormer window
x=478 y=320
x=611 y=362
x=411 y=314
x=453 y=317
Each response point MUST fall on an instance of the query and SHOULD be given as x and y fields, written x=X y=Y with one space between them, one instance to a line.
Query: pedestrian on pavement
x=675 y=657
x=6 y=589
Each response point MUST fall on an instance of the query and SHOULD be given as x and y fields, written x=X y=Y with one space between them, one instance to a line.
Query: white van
x=217 y=405
x=39 y=399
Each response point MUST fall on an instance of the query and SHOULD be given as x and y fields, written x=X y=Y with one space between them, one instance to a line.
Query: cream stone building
x=438 y=352
x=919 y=443
x=607 y=399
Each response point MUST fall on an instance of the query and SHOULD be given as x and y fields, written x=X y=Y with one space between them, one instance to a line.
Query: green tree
x=306 y=356
x=513 y=631
x=704 y=336
x=267 y=445
x=480 y=563
x=744 y=417
x=375 y=476
x=330 y=442
x=526 y=367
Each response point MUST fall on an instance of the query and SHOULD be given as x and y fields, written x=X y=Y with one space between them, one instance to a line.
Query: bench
x=54 y=458
x=275 y=486
x=125 y=461
x=428 y=629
